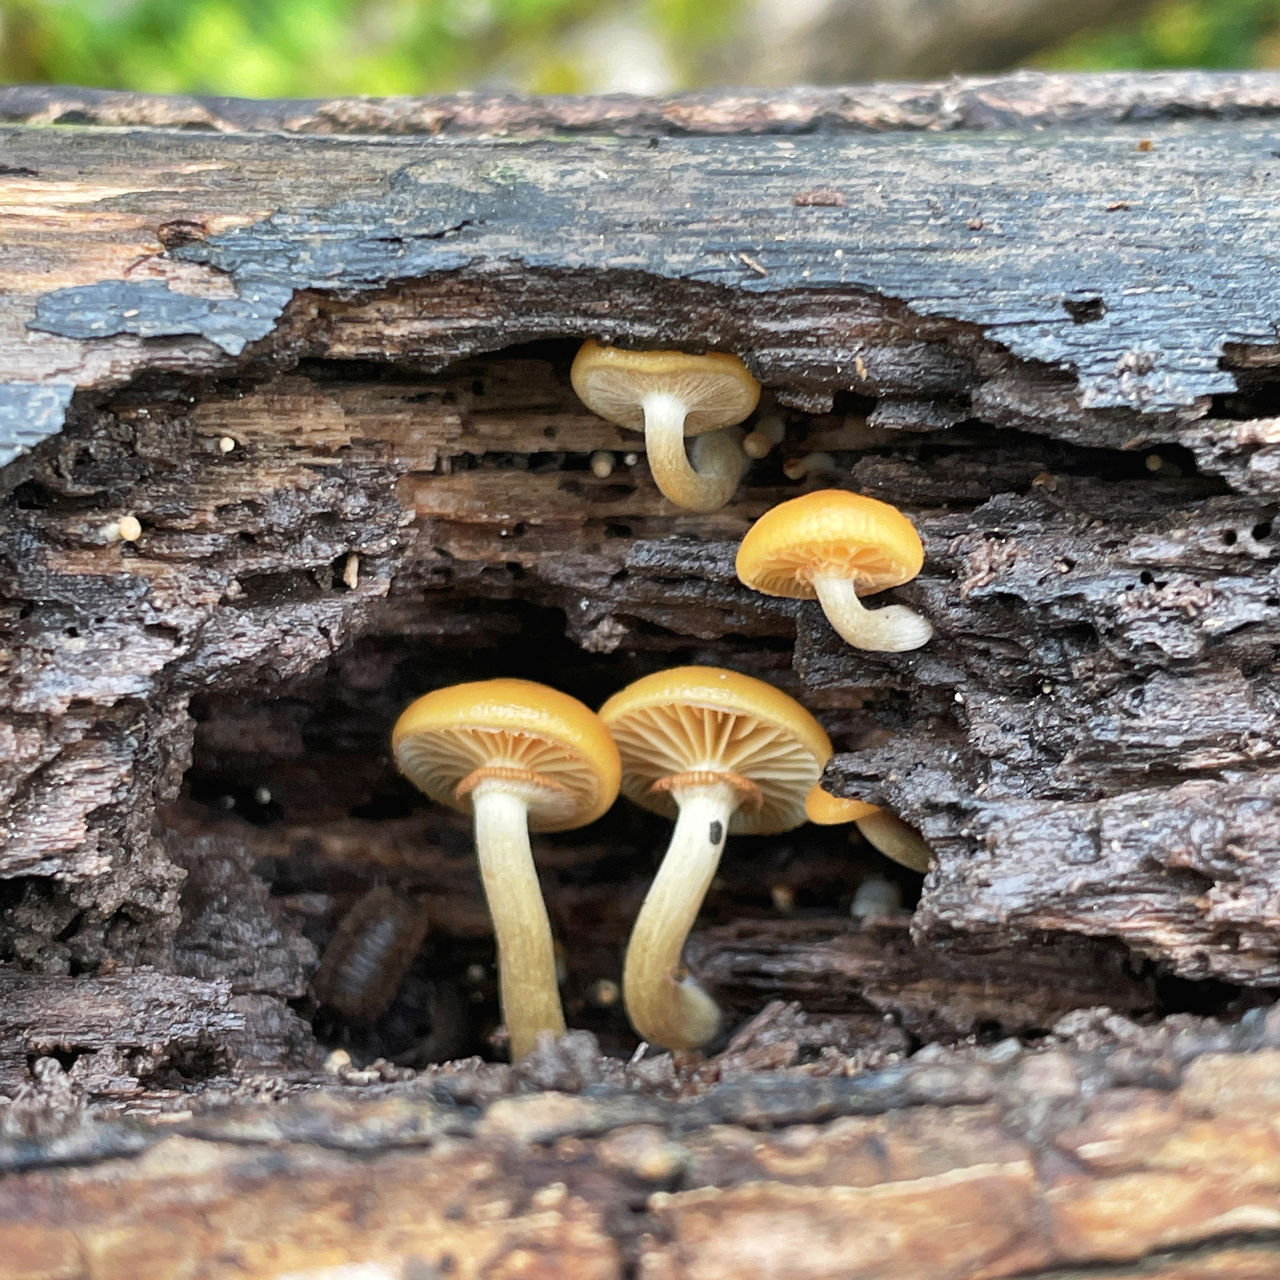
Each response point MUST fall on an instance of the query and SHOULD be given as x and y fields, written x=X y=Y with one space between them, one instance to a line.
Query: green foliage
x=1181 y=33
x=316 y=48
x=270 y=48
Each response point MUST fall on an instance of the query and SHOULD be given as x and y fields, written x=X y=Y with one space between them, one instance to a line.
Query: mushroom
x=519 y=757
x=891 y=836
x=720 y=752
x=875 y=896
x=826 y=810
x=837 y=546
x=770 y=431
x=799 y=468
x=668 y=395
x=895 y=839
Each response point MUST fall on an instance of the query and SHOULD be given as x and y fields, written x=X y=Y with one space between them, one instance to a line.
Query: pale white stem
x=891 y=629
x=798 y=468
x=768 y=434
x=526 y=955
x=896 y=839
x=719 y=456
x=876 y=896
x=665 y=1006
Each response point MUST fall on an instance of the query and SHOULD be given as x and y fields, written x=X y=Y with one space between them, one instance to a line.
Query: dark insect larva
x=369 y=955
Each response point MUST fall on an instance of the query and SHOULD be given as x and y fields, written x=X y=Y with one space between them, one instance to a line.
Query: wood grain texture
x=1056 y=249
x=1157 y=1158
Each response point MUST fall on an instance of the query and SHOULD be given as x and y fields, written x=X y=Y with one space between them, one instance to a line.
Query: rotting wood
x=288 y=356
x=110 y=1031
x=1150 y=1152
x=833 y=964
x=1081 y=677
x=1024 y=99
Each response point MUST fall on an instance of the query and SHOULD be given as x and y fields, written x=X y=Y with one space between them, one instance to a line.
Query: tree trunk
x=290 y=440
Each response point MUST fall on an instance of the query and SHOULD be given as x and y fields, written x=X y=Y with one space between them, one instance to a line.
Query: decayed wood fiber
x=1148 y=1153
x=1086 y=704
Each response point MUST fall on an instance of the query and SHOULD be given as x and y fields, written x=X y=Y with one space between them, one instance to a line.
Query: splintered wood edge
x=976 y=102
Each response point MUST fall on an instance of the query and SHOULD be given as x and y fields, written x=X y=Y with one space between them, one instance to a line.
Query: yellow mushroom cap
x=828 y=810
x=829 y=532
x=716 y=389
x=537 y=733
x=691 y=719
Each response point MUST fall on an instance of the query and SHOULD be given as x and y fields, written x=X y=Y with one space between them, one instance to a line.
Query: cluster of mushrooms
x=717 y=751
x=830 y=545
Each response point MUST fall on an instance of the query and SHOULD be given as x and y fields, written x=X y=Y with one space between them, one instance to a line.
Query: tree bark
x=1151 y=1152
x=319 y=353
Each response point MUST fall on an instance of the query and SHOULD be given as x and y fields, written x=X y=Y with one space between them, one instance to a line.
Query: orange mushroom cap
x=827 y=810
x=694 y=719
x=717 y=389
x=511 y=728
x=829 y=531
x=884 y=832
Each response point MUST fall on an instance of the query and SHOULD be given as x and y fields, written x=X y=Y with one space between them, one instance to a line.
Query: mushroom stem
x=665 y=1005
x=896 y=839
x=770 y=431
x=893 y=629
x=526 y=955
x=720 y=460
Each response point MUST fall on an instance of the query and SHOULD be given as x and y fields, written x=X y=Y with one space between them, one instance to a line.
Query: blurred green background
x=316 y=48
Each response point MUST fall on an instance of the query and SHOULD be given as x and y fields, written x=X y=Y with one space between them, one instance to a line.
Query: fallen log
x=289 y=439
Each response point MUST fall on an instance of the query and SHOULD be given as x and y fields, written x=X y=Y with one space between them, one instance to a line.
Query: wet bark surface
x=327 y=376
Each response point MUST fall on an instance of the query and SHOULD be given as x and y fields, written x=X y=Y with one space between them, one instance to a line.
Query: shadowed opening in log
x=305 y=782
x=321 y=545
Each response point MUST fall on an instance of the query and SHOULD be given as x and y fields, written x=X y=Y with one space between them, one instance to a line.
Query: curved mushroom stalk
x=526 y=954
x=709 y=746
x=891 y=629
x=896 y=839
x=833 y=544
x=665 y=1006
x=706 y=483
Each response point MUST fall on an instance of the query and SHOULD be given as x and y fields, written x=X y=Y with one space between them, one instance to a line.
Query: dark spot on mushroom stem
x=717 y=832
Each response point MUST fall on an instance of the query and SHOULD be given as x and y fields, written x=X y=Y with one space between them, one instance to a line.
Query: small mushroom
x=826 y=810
x=799 y=468
x=519 y=757
x=891 y=836
x=770 y=431
x=895 y=839
x=837 y=546
x=875 y=896
x=720 y=752
x=668 y=395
